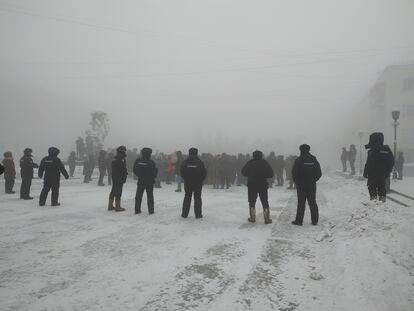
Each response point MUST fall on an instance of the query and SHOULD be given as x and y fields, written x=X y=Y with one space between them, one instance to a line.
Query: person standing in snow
x=379 y=165
x=51 y=167
x=305 y=173
x=9 y=172
x=119 y=177
x=194 y=173
x=344 y=159
x=72 y=163
x=352 y=153
x=257 y=171
x=146 y=171
x=26 y=172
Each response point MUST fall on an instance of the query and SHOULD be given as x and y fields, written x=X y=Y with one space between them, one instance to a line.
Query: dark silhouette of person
x=119 y=177
x=146 y=171
x=26 y=172
x=379 y=165
x=88 y=167
x=305 y=173
x=101 y=167
x=352 y=153
x=50 y=168
x=280 y=167
x=72 y=163
x=257 y=171
x=344 y=159
x=194 y=173
x=80 y=148
x=9 y=172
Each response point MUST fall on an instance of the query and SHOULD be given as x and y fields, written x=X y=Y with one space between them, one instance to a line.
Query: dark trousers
x=116 y=191
x=253 y=192
x=191 y=189
x=352 y=165
x=71 y=170
x=344 y=168
x=47 y=186
x=307 y=193
x=101 y=177
x=149 y=188
x=9 y=184
x=377 y=187
x=25 y=188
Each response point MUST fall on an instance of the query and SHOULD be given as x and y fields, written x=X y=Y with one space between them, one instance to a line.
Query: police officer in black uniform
x=194 y=173
x=305 y=173
x=51 y=167
x=119 y=177
x=380 y=162
x=257 y=171
x=146 y=171
x=26 y=172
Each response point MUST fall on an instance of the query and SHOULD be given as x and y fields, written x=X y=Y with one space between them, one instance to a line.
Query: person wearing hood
x=194 y=173
x=101 y=167
x=305 y=173
x=72 y=163
x=257 y=171
x=9 y=172
x=146 y=171
x=50 y=168
x=378 y=167
x=119 y=177
x=26 y=172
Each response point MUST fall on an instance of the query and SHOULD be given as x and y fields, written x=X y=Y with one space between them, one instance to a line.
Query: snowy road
x=81 y=257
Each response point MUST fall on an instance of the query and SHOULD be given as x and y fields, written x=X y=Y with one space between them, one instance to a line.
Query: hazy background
x=222 y=75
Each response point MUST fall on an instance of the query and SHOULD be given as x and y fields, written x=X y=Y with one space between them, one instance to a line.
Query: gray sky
x=224 y=75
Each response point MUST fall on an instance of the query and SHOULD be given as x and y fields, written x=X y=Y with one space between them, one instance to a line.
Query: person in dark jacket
x=101 y=167
x=305 y=173
x=119 y=177
x=399 y=164
x=257 y=171
x=178 y=177
x=9 y=172
x=26 y=172
x=72 y=163
x=352 y=153
x=146 y=171
x=380 y=162
x=194 y=173
x=108 y=163
x=50 y=168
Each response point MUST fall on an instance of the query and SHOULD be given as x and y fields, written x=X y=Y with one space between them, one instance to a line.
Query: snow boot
x=296 y=223
x=266 y=215
x=252 y=217
x=111 y=205
x=382 y=199
x=118 y=207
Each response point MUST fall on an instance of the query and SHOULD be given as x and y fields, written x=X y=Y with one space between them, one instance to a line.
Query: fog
x=228 y=75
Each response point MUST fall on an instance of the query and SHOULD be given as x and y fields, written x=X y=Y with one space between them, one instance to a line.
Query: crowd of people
x=194 y=171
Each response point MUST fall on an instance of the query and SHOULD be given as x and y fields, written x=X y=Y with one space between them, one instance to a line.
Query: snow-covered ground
x=79 y=256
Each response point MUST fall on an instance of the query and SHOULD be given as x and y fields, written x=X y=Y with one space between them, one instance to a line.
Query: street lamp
x=395 y=117
x=360 y=134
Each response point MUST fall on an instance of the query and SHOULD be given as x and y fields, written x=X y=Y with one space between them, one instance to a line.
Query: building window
x=408 y=84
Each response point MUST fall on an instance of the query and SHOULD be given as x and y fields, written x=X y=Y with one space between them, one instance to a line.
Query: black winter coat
x=145 y=170
x=119 y=170
x=26 y=167
x=306 y=171
x=380 y=162
x=257 y=172
x=51 y=167
x=9 y=168
x=193 y=170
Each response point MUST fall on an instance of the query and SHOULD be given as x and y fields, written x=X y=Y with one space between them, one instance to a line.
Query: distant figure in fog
x=88 y=167
x=119 y=177
x=146 y=171
x=290 y=160
x=72 y=163
x=26 y=172
x=280 y=167
x=257 y=171
x=399 y=164
x=352 y=153
x=80 y=148
x=51 y=167
x=194 y=173
x=9 y=172
x=305 y=173
x=379 y=165
x=344 y=159
x=101 y=167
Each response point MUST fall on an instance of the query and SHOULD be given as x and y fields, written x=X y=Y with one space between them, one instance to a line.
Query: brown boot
x=111 y=205
x=252 y=217
x=266 y=215
x=118 y=207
